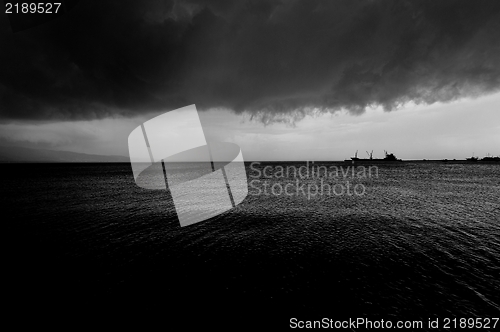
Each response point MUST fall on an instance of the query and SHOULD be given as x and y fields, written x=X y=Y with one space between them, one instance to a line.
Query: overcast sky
x=286 y=80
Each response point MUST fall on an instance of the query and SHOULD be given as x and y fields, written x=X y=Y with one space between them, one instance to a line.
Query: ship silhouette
x=488 y=158
x=472 y=159
x=491 y=158
x=389 y=157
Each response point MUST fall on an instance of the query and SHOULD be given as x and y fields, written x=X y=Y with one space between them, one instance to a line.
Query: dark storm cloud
x=265 y=57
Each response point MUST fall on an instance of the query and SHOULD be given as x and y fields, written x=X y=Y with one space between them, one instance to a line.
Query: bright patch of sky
x=452 y=131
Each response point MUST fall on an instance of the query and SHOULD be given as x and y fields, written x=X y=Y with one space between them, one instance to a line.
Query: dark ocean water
x=423 y=241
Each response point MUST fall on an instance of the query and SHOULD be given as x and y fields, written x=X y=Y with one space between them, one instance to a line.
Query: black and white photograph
x=263 y=165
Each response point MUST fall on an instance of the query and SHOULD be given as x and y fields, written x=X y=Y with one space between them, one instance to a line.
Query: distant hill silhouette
x=19 y=154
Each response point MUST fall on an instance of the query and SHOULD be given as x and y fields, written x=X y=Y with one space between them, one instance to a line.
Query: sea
x=403 y=241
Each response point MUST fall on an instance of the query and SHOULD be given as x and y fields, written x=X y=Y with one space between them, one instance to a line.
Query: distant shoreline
x=412 y=161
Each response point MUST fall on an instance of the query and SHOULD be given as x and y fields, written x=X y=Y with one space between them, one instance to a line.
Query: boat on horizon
x=473 y=159
x=389 y=158
x=491 y=158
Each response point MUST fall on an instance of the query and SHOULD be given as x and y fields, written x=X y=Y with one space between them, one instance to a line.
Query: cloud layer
x=266 y=57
